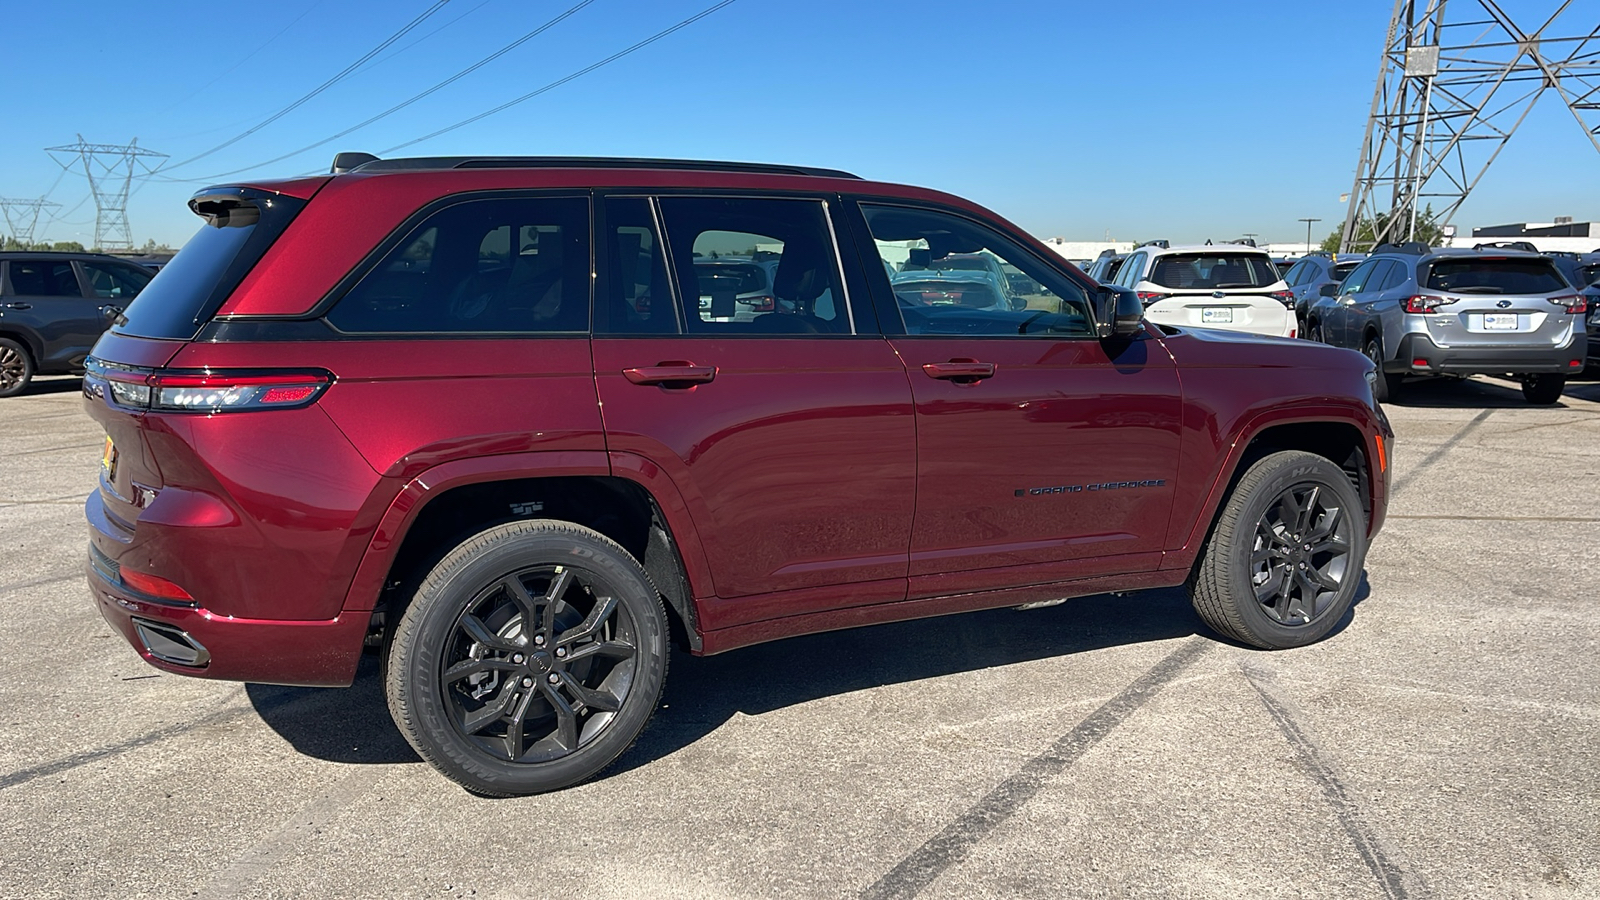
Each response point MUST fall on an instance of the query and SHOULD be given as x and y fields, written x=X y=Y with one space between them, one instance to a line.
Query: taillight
x=226 y=392
x=210 y=391
x=1149 y=297
x=762 y=304
x=1284 y=297
x=1574 y=303
x=1425 y=303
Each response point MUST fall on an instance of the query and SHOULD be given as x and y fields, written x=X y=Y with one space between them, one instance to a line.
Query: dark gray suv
x=53 y=307
x=1418 y=311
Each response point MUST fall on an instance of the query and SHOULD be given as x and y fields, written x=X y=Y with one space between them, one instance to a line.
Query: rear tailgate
x=1256 y=313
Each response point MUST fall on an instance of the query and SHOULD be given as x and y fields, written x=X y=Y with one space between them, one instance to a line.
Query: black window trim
x=895 y=327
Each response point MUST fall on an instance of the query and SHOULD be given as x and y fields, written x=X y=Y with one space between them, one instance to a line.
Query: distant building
x=1562 y=234
x=1085 y=249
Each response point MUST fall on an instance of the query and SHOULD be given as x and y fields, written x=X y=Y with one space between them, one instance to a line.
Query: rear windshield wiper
x=1476 y=289
x=1241 y=284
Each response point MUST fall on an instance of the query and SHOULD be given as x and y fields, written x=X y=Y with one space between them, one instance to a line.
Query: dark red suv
x=516 y=421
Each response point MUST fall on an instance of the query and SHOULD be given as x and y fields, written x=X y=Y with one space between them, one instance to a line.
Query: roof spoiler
x=1409 y=248
x=349 y=161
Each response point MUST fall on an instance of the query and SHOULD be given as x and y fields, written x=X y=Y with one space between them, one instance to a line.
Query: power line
x=402 y=105
x=246 y=58
x=560 y=81
x=320 y=88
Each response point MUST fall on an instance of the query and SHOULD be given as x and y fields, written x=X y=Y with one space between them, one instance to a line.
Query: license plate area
x=1499 y=321
x=1211 y=315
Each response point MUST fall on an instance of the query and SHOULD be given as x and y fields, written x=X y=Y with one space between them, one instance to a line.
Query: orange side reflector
x=1383 y=459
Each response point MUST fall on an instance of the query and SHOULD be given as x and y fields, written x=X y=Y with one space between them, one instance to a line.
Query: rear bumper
x=1419 y=355
x=188 y=639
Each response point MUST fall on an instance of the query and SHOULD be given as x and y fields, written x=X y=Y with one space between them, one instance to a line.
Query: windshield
x=1590 y=274
x=1496 y=275
x=1214 y=271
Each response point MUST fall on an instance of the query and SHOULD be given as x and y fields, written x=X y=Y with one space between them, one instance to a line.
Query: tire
x=1387 y=386
x=1543 y=390
x=16 y=368
x=1314 y=331
x=571 y=696
x=1250 y=549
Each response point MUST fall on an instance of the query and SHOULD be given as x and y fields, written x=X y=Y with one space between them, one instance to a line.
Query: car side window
x=639 y=296
x=1379 y=277
x=43 y=278
x=511 y=265
x=943 y=279
x=1397 y=275
x=113 y=282
x=1353 y=282
x=755 y=266
x=1296 y=275
x=1131 y=270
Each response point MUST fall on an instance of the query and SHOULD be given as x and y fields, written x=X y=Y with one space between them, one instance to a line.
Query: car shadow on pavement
x=1476 y=393
x=65 y=384
x=353 y=725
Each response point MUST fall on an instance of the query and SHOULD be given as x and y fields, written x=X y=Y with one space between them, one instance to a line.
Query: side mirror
x=1331 y=289
x=1117 y=312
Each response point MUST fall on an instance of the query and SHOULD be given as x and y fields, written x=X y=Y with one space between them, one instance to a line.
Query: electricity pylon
x=27 y=212
x=110 y=169
x=1451 y=92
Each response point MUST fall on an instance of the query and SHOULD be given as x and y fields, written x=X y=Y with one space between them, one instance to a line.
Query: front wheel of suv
x=1282 y=565
x=16 y=368
x=1543 y=390
x=530 y=658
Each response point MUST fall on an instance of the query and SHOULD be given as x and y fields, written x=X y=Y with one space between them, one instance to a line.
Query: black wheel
x=530 y=658
x=1284 y=560
x=1387 y=386
x=1313 y=331
x=16 y=368
x=1543 y=390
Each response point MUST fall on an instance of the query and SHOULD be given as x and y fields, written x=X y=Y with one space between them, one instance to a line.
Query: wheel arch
x=22 y=336
x=448 y=503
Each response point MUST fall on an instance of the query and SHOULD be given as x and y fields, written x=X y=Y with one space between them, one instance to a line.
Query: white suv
x=1228 y=286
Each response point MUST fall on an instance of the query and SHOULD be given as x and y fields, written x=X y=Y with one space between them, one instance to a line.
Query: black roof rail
x=1409 y=248
x=366 y=162
x=1109 y=251
x=1165 y=245
x=1506 y=245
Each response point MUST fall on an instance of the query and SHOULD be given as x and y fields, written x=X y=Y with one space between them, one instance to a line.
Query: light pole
x=1308 y=231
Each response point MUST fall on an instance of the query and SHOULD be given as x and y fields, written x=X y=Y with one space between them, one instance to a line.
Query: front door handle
x=19 y=306
x=961 y=371
x=671 y=374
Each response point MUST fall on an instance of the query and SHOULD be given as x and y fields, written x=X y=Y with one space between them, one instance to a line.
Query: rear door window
x=1490 y=275
x=110 y=281
x=755 y=266
x=43 y=278
x=638 y=292
x=504 y=265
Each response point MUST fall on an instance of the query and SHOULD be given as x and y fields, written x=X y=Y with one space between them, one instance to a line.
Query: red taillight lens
x=213 y=392
x=1574 y=303
x=762 y=304
x=154 y=586
x=1424 y=303
x=1149 y=297
x=1284 y=297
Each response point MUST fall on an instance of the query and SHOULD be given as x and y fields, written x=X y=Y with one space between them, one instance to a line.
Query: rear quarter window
x=187 y=292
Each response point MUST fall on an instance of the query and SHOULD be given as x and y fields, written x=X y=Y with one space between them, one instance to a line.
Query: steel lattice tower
x=110 y=169
x=27 y=212
x=1451 y=92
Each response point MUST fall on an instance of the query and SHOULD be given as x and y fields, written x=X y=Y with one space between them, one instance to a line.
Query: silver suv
x=1417 y=311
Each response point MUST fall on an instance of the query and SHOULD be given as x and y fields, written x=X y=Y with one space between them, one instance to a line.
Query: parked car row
x=54 y=306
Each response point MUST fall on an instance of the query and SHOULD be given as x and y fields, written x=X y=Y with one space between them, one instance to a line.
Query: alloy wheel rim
x=539 y=663
x=12 y=368
x=1300 y=555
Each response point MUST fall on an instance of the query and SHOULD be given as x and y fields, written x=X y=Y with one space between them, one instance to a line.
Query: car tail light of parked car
x=211 y=391
x=762 y=304
x=1149 y=297
x=1577 y=304
x=1426 y=303
x=1285 y=297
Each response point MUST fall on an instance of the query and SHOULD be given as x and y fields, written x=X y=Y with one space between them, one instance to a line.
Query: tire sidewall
x=28 y=370
x=1295 y=470
x=415 y=660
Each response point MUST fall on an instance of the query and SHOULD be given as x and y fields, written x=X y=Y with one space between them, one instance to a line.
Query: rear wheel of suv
x=1284 y=560
x=1543 y=390
x=530 y=658
x=1387 y=386
x=16 y=368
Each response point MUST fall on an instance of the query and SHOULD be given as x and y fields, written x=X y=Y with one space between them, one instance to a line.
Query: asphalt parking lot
x=1443 y=744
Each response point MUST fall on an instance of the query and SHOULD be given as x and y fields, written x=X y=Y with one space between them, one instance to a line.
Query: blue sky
x=1181 y=120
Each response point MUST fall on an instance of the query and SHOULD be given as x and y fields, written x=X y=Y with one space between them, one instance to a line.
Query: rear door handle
x=961 y=371
x=19 y=306
x=671 y=374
